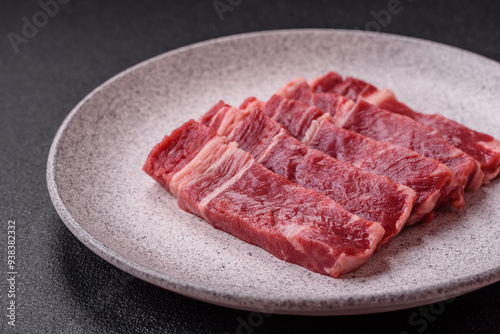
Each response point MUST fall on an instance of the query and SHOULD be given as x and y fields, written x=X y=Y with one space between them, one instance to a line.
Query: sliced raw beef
x=372 y=197
x=230 y=190
x=427 y=177
x=482 y=147
x=380 y=124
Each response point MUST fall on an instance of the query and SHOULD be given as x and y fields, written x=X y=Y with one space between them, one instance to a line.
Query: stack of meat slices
x=324 y=173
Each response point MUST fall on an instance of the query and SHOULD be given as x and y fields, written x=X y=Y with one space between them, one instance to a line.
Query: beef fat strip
x=427 y=177
x=482 y=147
x=372 y=197
x=227 y=188
x=379 y=124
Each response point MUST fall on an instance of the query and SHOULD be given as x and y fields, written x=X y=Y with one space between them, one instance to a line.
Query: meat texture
x=373 y=197
x=380 y=124
x=427 y=177
x=482 y=147
x=226 y=187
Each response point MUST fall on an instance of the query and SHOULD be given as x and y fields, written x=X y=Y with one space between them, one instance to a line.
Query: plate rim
x=248 y=302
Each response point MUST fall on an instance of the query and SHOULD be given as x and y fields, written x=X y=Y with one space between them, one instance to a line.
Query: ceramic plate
x=99 y=190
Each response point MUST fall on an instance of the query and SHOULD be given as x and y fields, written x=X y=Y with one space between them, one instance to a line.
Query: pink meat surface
x=482 y=147
x=427 y=177
x=380 y=124
x=372 y=197
x=225 y=186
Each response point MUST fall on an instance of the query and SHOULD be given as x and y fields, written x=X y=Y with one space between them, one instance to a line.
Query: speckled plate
x=99 y=190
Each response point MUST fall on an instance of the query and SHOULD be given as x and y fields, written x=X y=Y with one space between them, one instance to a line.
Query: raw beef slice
x=372 y=197
x=482 y=147
x=427 y=177
x=227 y=188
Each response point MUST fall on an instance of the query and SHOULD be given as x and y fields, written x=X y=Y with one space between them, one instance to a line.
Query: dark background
x=62 y=287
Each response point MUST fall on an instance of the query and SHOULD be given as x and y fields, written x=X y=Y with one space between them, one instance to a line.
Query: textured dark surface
x=61 y=286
